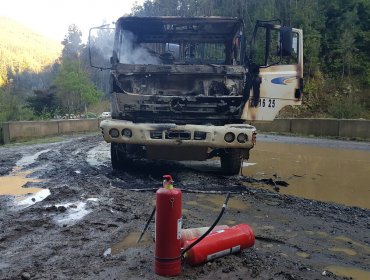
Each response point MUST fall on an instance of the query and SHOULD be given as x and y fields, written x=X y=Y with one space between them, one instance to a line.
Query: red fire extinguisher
x=220 y=243
x=191 y=233
x=168 y=229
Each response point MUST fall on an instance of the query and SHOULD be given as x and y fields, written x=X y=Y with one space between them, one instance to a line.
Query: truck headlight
x=242 y=138
x=229 y=137
x=127 y=132
x=114 y=133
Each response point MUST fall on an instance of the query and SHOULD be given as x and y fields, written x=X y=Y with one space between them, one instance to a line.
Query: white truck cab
x=185 y=89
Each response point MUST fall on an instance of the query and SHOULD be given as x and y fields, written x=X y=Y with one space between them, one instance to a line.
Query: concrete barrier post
x=316 y=127
x=32 y=129
x=5 y=138
x=354 y=129
x=278 y=125
x=71 y=126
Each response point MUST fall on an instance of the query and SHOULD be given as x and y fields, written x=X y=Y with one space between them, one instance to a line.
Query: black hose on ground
x=146 y=226
x=210 y=229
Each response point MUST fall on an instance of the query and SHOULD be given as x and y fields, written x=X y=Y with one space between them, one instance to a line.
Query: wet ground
x=336 y=172
x=307 y=201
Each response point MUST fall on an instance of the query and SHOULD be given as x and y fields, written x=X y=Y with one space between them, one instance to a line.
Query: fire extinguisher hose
x=210 y=229
x=146 y=226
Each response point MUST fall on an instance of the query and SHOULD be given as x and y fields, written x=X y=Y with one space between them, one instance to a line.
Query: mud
x=86 y=227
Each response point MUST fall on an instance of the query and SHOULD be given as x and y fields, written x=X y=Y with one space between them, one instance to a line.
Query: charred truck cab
x=184 y=88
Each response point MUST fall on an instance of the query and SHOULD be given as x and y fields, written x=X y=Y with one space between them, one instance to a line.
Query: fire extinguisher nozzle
x=227 y=198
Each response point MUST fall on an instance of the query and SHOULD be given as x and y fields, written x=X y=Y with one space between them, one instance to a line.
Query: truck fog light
x=114 y=133
x=242 y=138
x=127 y=132
x=229 y=137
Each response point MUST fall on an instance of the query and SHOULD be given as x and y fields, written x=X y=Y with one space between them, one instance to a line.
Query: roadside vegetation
x=336 y=55
x=66 y=87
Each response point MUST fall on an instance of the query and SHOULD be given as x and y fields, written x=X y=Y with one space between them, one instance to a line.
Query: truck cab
x=185 y=89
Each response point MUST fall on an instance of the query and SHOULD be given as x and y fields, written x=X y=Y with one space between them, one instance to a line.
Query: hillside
x=23 y=49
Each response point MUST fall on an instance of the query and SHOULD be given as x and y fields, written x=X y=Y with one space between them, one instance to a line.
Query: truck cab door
x=275 y=71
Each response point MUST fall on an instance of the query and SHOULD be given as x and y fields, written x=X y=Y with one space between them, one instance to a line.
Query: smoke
x=101 y=46
x=133 y=53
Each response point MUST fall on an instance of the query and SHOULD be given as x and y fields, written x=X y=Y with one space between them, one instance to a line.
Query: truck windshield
x=133 y=51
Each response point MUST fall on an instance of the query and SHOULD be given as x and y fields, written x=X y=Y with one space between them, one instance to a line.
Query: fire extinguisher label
x=223 y=253
x=179 y=226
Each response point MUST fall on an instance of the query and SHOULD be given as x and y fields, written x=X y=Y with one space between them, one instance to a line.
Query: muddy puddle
x=319 y=173
x=73 y=213
x=14 y=185
x=341 y=244
x=346 y=251
x=350 y=272
x=99 y=155
x=215 y=202
x=129 y=241
x=346 y=240
x=29 y=159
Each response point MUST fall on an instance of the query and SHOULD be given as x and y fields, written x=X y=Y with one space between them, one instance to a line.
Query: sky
x=52 y=18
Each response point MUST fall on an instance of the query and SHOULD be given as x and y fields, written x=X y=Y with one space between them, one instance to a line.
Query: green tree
x=75 y=89
x=72 y=43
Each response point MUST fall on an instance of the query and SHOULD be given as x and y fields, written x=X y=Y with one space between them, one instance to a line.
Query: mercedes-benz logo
x=177 y=104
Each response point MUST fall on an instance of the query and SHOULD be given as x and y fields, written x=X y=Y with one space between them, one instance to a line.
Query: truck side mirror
x=101 y=41
x=286 y=41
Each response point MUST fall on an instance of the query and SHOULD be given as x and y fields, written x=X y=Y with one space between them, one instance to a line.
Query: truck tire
x=231 y=161
x=118 y=156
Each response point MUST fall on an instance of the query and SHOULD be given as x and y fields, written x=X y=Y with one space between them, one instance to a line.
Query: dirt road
x=82 y=218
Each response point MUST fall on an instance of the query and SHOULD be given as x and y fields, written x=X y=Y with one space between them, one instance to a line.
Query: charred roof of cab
x=221 y=27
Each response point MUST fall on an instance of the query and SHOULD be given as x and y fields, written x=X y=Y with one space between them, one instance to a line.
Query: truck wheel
x=118 y=155
x=231 y=161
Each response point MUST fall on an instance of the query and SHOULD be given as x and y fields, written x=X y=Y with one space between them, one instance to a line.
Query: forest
x=336 y=59
x=41 y=79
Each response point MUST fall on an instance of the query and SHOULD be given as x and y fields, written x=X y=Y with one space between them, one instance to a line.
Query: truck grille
x=156 y=134
x=182 y=135
x=177 y=134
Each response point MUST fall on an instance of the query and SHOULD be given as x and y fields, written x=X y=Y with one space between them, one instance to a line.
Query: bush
x=326 y=97
x=13 y=108
x=346 y=107
x=91 y=115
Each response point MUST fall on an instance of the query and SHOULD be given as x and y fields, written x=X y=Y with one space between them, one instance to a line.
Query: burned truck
x=186 y=88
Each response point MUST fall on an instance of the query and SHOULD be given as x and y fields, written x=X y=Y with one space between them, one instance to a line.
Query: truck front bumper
x=241 y=136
